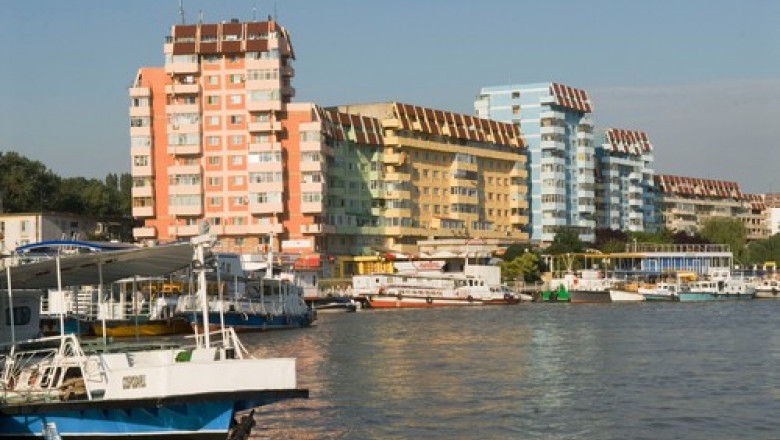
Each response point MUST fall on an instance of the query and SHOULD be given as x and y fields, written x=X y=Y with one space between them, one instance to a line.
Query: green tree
x=25 y=185
x=526 y=266
x=763 y=251
x=125 y=194
x=726 y=230
x=567 y=240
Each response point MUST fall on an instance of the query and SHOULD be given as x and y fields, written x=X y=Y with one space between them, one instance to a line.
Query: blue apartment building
x=555 y=123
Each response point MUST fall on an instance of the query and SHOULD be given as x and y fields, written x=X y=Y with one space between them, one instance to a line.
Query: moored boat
x=768 y=289
x=433 y=288
x=661 y=292
x=52 y=384
x=622 y=295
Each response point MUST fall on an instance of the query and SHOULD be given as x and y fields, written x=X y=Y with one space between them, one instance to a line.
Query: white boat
x=768 y=289
x=661 y=292
x=432 y=288
x=52 y=384
x=623 y=295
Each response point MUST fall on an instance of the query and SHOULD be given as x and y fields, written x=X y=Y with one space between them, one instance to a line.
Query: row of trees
x=28 y=186
x=523 y=262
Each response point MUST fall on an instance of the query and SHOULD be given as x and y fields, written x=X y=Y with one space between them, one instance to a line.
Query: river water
x=533 y=371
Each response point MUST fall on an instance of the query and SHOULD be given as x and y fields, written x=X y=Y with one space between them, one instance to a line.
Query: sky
x=701 y=77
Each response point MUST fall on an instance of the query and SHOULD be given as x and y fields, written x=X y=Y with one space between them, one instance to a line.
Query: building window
x=238 y=180
x=213 y=120
x=212 y=80
x=236 y=160
x=235 y=78
x=236 y=119
x=212 y=100
x=236 y=139
x=214 y=201
x=515 y=95
x=213 y=140
x=214 y=160
x=235 y=99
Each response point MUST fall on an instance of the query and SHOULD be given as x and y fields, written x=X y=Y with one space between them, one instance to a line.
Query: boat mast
x=60 y=294
x=10 y=304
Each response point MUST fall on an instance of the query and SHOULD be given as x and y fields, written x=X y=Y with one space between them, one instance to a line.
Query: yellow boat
x=142 y=326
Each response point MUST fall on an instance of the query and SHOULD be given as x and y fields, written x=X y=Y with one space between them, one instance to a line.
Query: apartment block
x=208 y=129
x=558 y=132
x=410 y=173
x=685 y=203
x=624 y=180
x=755 y=217
x=216 y=138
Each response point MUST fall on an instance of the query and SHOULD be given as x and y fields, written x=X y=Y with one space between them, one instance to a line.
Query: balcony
x=312 y=166
x=185 y=210
x=288 y=91
x=265 y=167
x=266 y=208
x=552 y=129
x=184 y=89
x=317 y=228
x=142 y=191
x=265 y=187
x=182 y=108
x=140 y=112
x=178 y=231
x=266 y=229
x=397 y=176
x=146 y=232
x=192 y=190
x=518 y=219
x=265 y=146
x=552 y=145
x=143 y=211
x=395 y=159
x=519 y=203
x=173 y=68
x=264 y=106
x=185 y=150
x=141 y=131
x=317 y=187
x=183 y=169
x=398 y=195
x=311 y=146
x=584 y=135
x=312 y=207
x=267 y=126
x=140 y=92
x=262 y=84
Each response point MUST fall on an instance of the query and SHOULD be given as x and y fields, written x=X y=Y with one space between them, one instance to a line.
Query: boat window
x=22 y=316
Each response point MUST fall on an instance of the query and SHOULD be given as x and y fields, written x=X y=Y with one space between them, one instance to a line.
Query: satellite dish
x=203 y=227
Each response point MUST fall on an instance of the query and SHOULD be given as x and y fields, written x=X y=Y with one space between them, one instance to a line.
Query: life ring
x=399 y=297
x=429 y=300
x=576 y=281
x=470 y=298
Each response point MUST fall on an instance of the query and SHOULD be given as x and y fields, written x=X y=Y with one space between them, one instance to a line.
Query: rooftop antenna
x=254 y=11
x=181 y=11
x=275 y=10
x=200 y=17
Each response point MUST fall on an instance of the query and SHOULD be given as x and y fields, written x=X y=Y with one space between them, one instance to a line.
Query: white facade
x=25 y=228
x=773 y=220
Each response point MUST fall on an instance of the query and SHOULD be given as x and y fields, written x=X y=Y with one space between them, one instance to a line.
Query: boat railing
x=225 y=339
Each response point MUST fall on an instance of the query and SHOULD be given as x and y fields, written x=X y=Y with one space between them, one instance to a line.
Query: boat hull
x=706 y=296
x=154 y=327
x=767 y=294
x=660 y=297
x=586 y=296
x=412 y=302
x=625 y=296
x=249 y=322
x=205 y=416
x=50 y=325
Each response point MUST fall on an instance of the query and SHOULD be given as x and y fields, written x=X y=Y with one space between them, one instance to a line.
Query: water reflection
x=532 y=371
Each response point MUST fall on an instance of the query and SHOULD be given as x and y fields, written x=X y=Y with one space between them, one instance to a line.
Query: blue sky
x=701 y=77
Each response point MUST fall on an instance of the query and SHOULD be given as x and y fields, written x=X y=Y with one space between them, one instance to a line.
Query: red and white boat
x=423 y=284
